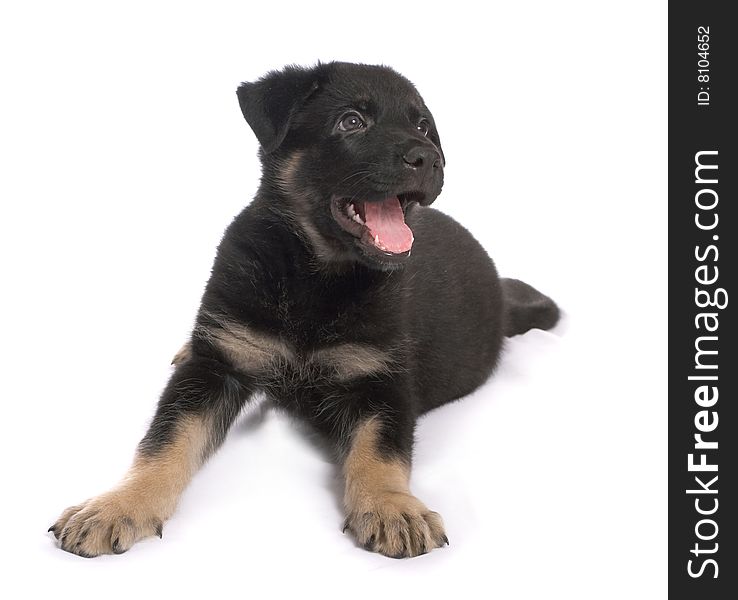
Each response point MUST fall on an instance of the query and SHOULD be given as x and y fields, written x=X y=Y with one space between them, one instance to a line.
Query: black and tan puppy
x=340 y=294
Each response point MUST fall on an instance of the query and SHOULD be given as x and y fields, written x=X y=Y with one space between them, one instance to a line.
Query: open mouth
x=379 y=224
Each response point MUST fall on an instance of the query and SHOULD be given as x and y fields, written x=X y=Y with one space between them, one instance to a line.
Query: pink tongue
x=386 y=224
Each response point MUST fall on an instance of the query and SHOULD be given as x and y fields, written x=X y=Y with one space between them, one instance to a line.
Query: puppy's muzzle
x=423 y=166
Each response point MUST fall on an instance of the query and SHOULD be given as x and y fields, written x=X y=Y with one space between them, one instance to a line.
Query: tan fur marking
x=139 y=505
x=381 y=512
x=157 y=482
x=367 y=473
x=286 y=174
x=247 y=349
x=251 y=351
x=353 y=360
x=299 y=196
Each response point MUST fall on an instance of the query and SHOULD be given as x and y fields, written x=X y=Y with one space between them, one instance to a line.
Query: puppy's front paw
x=110 y=523
x=397 y=525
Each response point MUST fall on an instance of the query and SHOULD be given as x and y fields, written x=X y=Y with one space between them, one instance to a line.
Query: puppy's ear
x=270 y=103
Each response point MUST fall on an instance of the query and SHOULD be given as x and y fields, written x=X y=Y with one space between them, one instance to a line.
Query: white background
x=123 y=156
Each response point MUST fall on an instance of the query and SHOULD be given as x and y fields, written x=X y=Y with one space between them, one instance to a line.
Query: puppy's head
x=348 y=149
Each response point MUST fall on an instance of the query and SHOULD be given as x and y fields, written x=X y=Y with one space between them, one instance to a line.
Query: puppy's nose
x=422 y=157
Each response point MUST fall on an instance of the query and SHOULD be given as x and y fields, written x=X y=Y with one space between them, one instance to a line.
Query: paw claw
x=116 y=547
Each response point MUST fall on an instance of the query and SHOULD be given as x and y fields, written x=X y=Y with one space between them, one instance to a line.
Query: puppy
x=339 y=294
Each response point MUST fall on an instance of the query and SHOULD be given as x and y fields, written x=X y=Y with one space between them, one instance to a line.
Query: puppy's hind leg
x=183 y=354
x=198 y=406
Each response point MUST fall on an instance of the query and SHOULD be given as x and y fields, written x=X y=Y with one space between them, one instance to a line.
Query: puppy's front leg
x=198 y=406
x=380 y=510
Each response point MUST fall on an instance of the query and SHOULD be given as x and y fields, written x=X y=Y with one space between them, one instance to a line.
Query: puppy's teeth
x=357 y=218
x=350 y=210
x=376 y=239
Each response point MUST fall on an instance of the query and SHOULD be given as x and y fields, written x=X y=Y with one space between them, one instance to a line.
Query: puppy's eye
x=423 y=126
x=351 y=122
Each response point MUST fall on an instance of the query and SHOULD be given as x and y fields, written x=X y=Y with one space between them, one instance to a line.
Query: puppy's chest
x=311 y=343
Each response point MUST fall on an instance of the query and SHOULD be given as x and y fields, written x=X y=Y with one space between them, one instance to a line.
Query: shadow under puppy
x=340 y=294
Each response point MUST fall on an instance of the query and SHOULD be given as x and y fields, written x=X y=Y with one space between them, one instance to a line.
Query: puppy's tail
x=526 y=308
